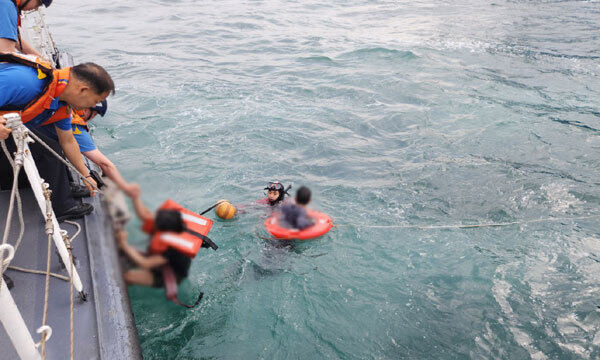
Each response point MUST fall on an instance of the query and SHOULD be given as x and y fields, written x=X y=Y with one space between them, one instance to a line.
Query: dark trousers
x=51 y=170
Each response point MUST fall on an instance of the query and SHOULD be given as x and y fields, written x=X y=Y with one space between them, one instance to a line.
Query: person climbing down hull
x=177 y=235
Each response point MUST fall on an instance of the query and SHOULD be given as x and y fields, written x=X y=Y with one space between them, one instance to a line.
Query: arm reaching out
x=141 y=210
x=71 y=149
x=108 y=168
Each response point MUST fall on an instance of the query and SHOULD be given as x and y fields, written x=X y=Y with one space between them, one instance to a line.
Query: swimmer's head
x=303 y=196
x=275 y=192
x=273 y=195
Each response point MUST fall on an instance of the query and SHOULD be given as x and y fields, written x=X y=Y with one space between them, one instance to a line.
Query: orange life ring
x=322 y=225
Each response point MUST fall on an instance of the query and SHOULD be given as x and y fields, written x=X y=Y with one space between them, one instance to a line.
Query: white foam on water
x=501 y=291
x=559 y=198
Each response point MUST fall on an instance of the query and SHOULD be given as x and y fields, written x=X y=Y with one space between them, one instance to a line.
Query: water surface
x=394 y=113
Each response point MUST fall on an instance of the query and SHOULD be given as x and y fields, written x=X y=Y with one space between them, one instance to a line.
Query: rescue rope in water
x=471 y=226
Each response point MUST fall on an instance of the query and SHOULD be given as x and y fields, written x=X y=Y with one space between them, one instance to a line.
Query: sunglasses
x=274 y=186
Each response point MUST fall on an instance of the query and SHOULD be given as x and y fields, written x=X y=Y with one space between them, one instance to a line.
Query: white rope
x=16 y=170
x=49 y=232
x=18 y=196
x=78 y=229
x=16 y=164
x=68 y=164
x=41 y=272
x=428 y=227
x=68 y=244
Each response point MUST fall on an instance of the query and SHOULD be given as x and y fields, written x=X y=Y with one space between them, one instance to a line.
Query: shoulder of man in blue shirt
x=64 y=124
x=8 y=20
x=83 y=138
x=19 y=84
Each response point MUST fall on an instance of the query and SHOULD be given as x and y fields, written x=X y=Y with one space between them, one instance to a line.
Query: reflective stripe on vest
x=186 y=243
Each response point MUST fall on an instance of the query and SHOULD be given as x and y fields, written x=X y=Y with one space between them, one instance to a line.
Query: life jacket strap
x=171 y=287
x=206 y=241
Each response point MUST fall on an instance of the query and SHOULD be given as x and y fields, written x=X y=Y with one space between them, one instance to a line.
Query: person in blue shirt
x=86 y=85
x=90 y=151
x=10 y=14
x=294 y=215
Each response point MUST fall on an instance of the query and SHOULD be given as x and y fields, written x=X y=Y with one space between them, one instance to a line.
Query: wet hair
x=95 y=76
x=168 y=220
x=303 y=195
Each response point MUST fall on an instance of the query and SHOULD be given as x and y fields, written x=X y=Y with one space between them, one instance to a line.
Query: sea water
x=396 y=114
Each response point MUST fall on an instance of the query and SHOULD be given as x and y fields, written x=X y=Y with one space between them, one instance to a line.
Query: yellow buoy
x=225 y=210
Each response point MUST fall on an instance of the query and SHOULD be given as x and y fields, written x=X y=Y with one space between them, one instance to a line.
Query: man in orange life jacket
x=176 y=235
x=42 y=96
x=149 y=268
x=10 y=22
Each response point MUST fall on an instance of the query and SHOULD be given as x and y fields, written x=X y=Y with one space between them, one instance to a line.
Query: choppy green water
x=394 y=113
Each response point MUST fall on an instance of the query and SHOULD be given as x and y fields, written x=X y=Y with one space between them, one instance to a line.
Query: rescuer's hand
x=4 y=131
x=90 y=187
x=133 y=190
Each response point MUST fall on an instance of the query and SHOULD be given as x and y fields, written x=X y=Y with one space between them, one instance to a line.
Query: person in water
x=275 y=194
x=294 y=215
x=149 y=267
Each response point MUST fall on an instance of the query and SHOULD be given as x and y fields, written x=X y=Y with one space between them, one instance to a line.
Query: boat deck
x=103 y=325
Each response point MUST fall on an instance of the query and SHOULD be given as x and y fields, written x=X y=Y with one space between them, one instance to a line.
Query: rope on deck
x=68 y=164
x=49 y=232
x=17 y=164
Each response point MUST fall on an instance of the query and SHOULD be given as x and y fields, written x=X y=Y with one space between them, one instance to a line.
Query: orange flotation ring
x=322 y=225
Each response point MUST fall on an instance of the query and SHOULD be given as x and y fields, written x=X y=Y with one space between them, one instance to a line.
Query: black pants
x=51 y=170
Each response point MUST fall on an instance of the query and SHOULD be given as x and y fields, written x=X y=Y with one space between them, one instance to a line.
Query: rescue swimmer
x=38 y=93
x=276 y=193
x=176 y=236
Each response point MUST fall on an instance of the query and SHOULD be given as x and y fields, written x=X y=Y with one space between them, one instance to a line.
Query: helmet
x=100 y=108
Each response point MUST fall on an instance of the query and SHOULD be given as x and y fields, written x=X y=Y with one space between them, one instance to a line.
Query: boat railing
x=10 y=316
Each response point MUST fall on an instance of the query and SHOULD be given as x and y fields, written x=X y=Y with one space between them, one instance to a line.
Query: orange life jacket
x=184 y=242
x=61 y=113
x=77 y=118
x=57 y=81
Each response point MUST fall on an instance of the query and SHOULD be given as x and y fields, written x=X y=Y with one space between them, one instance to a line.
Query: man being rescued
x=176 y=236
x=294 y=215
